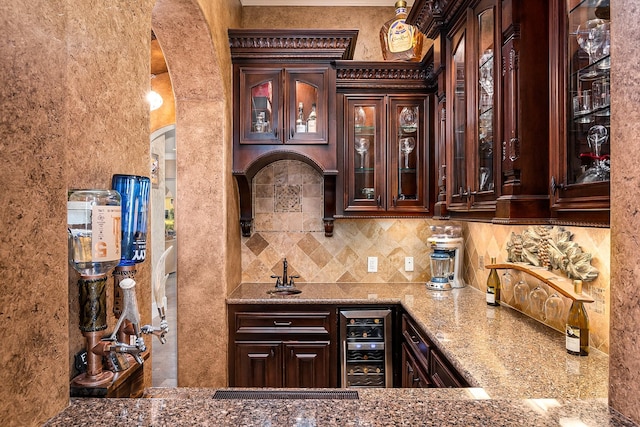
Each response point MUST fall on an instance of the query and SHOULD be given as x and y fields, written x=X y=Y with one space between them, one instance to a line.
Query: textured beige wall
x=206 y=203
x=73 y=113
x=624 y=364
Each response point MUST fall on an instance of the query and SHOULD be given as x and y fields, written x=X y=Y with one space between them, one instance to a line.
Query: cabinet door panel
x=306 y=88
x=414 y=375
x=307 y=364
x=364 y=153
x=260 y=106
x=458 y=187
x=258 y=364
x=407 y=155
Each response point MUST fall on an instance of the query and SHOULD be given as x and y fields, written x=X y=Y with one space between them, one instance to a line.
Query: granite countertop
x=499 y=349
x=519 y=370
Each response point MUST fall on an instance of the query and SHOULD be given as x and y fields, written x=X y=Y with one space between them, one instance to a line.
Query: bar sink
x=284 y=291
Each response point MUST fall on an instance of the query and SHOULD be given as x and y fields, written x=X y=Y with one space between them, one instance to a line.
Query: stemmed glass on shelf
x=406 y=146
x=361 y=146
x=590 y=36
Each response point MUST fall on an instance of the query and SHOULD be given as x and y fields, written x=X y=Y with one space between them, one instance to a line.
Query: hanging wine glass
x=537 y=298
x=590 y=36
x=361 y=146
x=553 y=309
x=406 y=146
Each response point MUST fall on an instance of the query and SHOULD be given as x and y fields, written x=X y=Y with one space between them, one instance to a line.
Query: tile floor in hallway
x=165 y=369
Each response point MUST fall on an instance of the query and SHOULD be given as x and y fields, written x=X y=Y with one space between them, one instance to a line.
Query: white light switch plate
x=408 y=263
x=372 y=264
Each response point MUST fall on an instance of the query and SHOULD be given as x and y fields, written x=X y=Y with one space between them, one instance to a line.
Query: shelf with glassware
x=580 y=173
x=385 y=155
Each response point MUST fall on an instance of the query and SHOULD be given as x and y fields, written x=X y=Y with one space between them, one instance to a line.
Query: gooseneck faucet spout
x=284 y=281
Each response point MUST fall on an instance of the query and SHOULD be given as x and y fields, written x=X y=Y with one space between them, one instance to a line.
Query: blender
x=447 y=254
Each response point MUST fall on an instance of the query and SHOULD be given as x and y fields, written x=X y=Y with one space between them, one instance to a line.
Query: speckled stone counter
x=519 y=368
x=381 y=407
x=499 y=349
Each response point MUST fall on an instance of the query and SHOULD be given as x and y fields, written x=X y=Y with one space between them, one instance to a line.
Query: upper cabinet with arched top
x=284 y=86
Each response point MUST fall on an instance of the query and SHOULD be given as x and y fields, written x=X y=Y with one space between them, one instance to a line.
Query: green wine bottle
x=493 y=286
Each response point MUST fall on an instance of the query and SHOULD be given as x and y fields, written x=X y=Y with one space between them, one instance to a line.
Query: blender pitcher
x=442 y=268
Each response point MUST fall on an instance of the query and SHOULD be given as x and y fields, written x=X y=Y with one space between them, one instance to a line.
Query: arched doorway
x=204 y=199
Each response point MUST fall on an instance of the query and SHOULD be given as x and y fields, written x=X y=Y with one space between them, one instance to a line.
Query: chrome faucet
x=284 y=281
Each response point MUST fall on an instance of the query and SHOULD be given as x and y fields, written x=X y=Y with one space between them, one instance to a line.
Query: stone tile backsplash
x=288 y=208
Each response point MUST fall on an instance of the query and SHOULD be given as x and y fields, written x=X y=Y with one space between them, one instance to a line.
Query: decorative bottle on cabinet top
x=399 y=41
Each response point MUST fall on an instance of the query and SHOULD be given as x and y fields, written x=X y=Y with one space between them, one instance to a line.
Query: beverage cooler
x=365 y=348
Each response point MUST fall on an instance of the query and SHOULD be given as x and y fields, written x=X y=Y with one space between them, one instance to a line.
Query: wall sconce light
x=154 y=99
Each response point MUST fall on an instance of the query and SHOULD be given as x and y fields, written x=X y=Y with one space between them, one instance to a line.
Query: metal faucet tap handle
x=278 y=282
x=291 y=283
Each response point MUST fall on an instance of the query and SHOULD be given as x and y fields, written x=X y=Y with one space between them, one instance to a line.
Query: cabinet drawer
x=283 y=322
x=420 y=345
x=443 y=375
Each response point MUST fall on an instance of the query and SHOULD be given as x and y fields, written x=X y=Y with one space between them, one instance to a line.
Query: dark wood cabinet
x=423 y=365
x=270 y=98
x=492 y=70
x=280 y=75
x=385 y=144
x=580 y=112
x=257 y=364
x=282 y=346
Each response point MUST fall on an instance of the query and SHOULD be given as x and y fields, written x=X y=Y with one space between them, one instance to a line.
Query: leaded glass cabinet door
x=407 y=153
x=364 y=152
x=261 y=110
x=484 y=186
x=458 y=187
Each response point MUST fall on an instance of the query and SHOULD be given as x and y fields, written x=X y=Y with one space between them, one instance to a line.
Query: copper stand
x=93 y=318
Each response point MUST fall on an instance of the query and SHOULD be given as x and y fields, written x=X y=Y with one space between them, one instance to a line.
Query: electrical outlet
x=372 y=264
x=408 y=263
x=481 y=262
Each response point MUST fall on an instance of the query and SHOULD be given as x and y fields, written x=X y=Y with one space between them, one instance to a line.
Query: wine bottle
x=493 y=286
x=577 y=339
x=311 y=120
x=301 y=126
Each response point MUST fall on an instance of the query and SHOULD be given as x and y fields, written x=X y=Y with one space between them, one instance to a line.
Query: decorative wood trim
x=399 y=75
x=286 y=44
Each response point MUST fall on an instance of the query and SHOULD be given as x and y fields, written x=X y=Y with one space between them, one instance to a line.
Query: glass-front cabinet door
x=485 y=171
x=284 y=106
x=407 y=144
x=473 y=154
x=261 y=115
x=457 y=116
x=580 y=181
x=307 y=105
x=365 y=170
